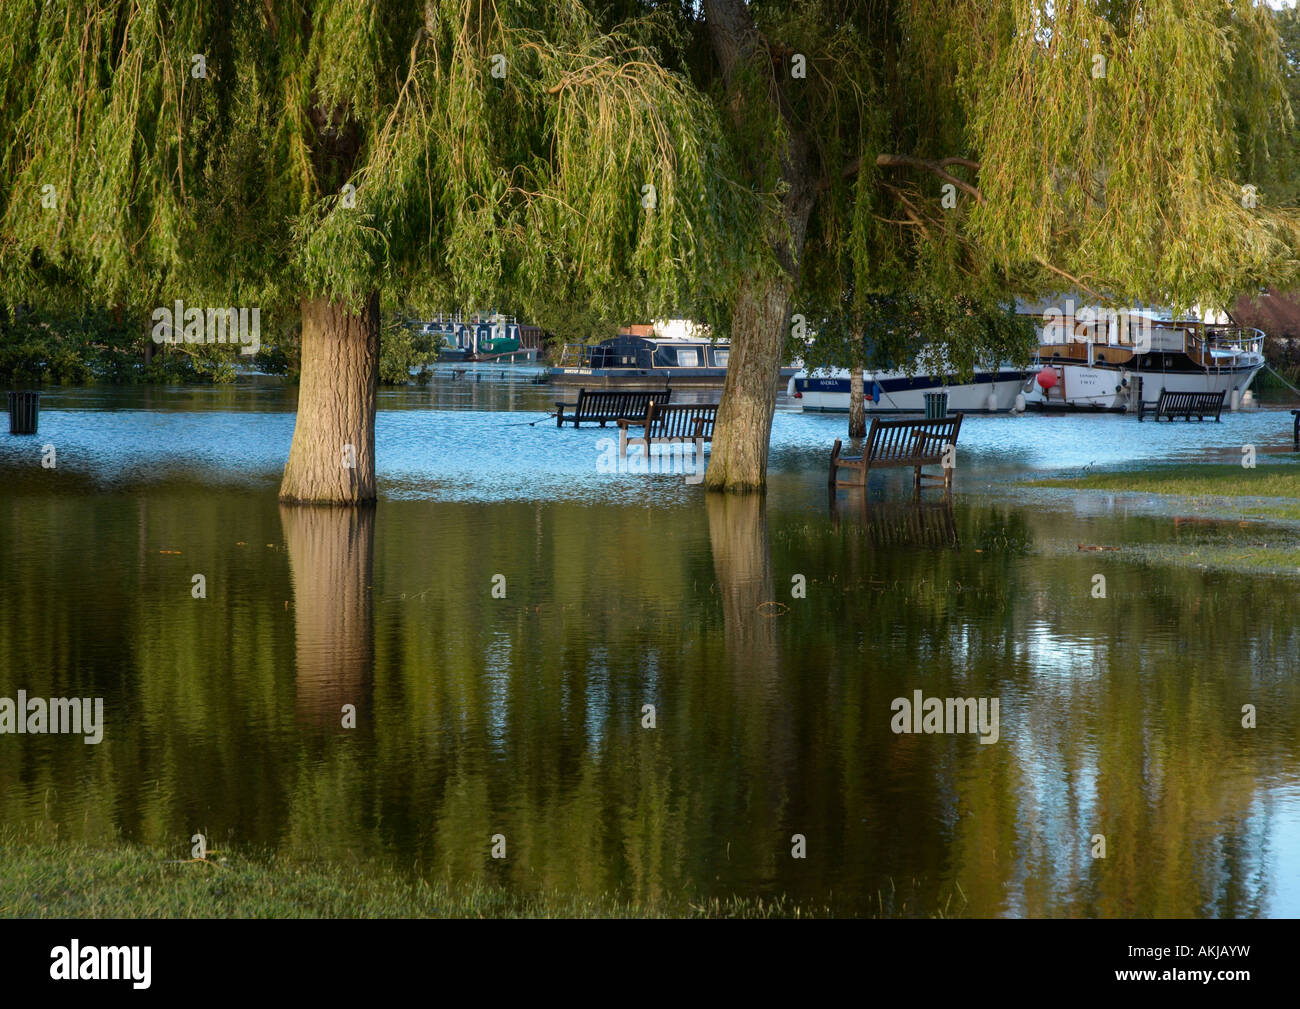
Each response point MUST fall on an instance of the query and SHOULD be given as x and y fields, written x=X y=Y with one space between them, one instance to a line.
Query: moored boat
x=1110 y=361
x=986 y=391
x=639 y=357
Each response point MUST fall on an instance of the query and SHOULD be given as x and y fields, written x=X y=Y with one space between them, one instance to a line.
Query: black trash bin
x=24 y=412
x=936 y=405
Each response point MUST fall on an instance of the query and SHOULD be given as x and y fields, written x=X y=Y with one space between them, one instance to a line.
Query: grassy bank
x=1204 y=483
x=74 y=880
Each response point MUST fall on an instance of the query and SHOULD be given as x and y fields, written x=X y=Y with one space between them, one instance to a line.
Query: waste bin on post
x=24 y=412
x=936 y=405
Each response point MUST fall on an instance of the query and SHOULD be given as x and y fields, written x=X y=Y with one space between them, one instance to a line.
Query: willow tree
x=987 y=147
x=313 y=159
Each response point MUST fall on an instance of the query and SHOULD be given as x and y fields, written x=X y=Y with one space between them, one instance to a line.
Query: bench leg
x=559 y=415
x=835 y=458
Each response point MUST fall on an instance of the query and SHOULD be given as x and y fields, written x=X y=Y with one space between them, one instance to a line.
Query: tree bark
x=332 y=458
x=857 y=405
x=742 y=433
x=738 y=459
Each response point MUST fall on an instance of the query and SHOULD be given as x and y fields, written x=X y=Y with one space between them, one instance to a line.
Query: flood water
x=773 y=713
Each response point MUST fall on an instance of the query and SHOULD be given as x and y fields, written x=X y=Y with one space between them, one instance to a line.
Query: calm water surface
x=1119 y=716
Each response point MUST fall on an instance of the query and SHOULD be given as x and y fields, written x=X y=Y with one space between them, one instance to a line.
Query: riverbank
x=76 y=880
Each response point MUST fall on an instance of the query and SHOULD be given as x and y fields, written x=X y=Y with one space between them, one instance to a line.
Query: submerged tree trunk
x=738 y=460
x=332 y=458
x=857 y=405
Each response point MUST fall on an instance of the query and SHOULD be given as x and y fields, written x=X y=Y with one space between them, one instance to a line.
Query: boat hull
x=1116 y=389
x=896 y=392
x=611 y=378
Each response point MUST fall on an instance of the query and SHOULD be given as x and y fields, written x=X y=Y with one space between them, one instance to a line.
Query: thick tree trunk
x=332 y=458
x=857 y=405
x=738 y=459
x=762 y=305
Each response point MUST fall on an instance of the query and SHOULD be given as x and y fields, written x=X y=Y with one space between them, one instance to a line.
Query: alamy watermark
x=947 y=715
x=77 y=716
x=661 y=455
x=179 y=324
x=75 y=962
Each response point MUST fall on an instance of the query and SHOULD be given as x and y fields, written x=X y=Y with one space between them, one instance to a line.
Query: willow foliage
x=1120 y=142
x=453 y=153
x=545 y=154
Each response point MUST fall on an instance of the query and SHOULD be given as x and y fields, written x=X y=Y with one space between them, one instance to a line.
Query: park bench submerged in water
x=668 y=423
x=897 y=444
x=1186 y=405
x=603 y=406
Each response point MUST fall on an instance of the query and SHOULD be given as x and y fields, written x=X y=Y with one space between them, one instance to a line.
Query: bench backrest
x=909 y=442
x=610 y=404
x=1176 y=402
x=678 y=420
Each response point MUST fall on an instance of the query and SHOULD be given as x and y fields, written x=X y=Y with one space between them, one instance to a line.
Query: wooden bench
x=668 y=423
x=1186 y=405
x=1296 y=433
x=899 y=444
x=601 y=406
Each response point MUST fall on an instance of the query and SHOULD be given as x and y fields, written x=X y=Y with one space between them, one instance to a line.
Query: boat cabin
x=646 y=352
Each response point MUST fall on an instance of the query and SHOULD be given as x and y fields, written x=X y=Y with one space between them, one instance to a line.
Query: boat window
x=720 y=356
x=688 y=357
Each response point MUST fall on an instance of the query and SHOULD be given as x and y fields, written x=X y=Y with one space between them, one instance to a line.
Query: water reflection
x=742 y=563
x=897 y=523
x=522 y=714
x=331 y=558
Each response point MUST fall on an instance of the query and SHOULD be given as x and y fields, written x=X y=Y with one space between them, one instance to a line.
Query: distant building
x=1277 y=314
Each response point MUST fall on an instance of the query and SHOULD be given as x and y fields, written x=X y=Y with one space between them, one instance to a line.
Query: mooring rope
x=531 y=423
x=1281 y=379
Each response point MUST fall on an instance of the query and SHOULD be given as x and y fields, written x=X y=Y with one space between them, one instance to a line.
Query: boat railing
x=1235 y=338
x=1216 y=345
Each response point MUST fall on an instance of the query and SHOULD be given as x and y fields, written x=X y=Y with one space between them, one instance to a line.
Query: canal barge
x=641 y=359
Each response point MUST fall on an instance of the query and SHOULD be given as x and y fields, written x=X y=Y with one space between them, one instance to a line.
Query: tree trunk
x=761 y=308
x=857 y=405
x=332 y=458
x=738 y=459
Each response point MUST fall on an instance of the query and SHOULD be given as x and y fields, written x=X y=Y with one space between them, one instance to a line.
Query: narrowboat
x=641 y=358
